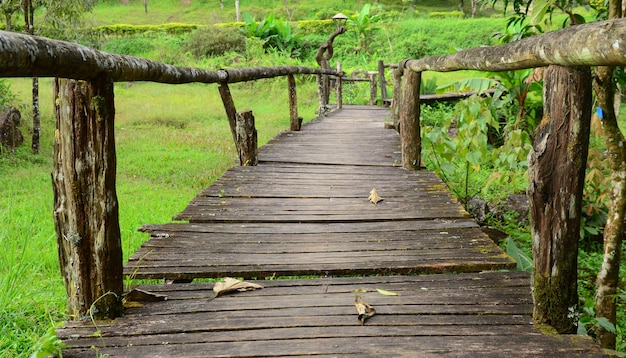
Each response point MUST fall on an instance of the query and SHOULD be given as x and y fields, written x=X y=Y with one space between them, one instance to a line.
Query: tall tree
x=608 y=277
x=28 y=9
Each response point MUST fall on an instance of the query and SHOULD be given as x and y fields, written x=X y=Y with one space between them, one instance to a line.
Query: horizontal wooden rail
x=594 y=44
x=31 y=56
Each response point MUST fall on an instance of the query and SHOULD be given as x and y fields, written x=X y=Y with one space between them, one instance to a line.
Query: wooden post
x=397 y=96
x=229 y=107
x=296 y=122
x=383 y=82
x=85 y=200
x=246 y=141
x=373 y=88
x=320 y=92
x=339 y=87
x=410 y=120
x=557 y=172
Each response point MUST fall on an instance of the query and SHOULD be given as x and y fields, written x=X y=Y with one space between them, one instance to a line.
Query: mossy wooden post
x=246 y=141
x=85 y=200
x=373 y=88
x=339 y=86
x=383 y=82
x=295 y=120
x=557 y=171
x=320 y=92
x=410 y=120
x=397 y=95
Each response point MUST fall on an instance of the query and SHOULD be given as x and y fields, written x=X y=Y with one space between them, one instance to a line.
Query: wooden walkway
x=304 y=211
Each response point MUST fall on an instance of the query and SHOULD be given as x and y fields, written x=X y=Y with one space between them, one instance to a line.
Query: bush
x=215 y=41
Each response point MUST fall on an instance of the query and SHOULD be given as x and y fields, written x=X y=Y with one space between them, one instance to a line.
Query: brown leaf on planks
x=136 y=295
x=374 y=197
x=364 y=310
x=233 y=285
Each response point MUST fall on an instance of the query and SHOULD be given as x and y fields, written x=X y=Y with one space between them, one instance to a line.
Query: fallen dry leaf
x=137 y=294
x=364 y=310
x=233 y=285
x=374 y=197
x=133 y=298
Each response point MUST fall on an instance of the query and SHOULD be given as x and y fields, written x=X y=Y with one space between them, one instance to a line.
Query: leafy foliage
x=362 y=24
x=276 y=34
x=6 y=97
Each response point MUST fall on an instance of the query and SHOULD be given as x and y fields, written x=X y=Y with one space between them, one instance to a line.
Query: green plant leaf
x=540 y=9
x=603 y=322
x=524 y=263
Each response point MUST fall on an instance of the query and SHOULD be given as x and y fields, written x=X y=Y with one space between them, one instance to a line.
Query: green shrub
x=320 y=27
x=126 y=29
x=215 y=41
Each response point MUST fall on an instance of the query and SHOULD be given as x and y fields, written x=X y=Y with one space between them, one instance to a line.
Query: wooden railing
x=85 y=200
x=558 y=159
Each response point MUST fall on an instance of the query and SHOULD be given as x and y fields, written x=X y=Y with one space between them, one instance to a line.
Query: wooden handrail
x=595 y=44
x=31 y=56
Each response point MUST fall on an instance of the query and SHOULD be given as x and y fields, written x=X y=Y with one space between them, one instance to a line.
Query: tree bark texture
x=608 y=278
x=246 y=142
x=295 y=120
x=410 y=121
x=596 y=43
x=33 y=56
x=557 y=165
x=85 y=200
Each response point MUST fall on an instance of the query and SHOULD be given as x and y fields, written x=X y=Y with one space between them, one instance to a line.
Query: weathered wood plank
x=456 y=315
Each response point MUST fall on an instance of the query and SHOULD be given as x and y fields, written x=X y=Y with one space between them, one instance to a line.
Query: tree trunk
x=36 y=117
x=556 y=172
x=410 y=120
x=608 y=277
x=237 y=11
x=85 y=199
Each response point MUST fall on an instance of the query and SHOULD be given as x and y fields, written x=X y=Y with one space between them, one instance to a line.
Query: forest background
x=173 y=141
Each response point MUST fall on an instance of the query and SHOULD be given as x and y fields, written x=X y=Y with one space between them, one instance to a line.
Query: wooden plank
x=479 y=314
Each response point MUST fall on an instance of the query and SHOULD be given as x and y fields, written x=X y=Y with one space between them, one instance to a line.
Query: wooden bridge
x=304 y=211
x=436 y=283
